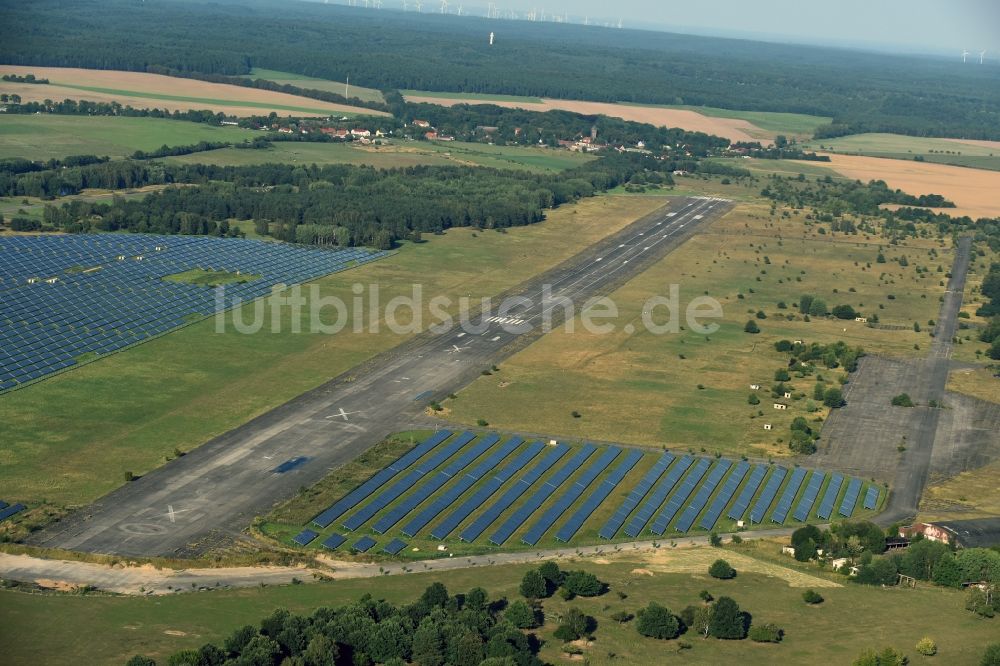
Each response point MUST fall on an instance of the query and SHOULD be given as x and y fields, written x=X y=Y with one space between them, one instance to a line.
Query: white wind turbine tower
x=459 y=10
x=982 y=54
x=418 y=5
x=444 y=6
x=965 y=55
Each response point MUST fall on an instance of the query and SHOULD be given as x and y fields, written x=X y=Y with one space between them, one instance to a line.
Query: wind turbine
x=460 y=10
x=982 y=54
x=965 y=55
x=418 y=5
x=444 y=6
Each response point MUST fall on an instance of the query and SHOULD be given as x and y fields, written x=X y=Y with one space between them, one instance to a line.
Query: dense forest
x=391 y=50
x=331 y=205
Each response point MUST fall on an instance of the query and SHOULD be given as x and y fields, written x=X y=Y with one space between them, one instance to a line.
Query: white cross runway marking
x=455 y=349
x=495 y=339
x=342 y=414
x=671 y=214
x=460 y=335
x=170 y=512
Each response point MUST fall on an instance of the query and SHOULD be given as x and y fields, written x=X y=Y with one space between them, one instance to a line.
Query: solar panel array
x=523 y=512
x=871 y=497
x=476 y=481
x=739 y=507
x=569 y=497
x=616 y=521
x=8 y=511
x=830 y=496
x=62 y=297
x=596 y=498
x=780 y=512
x=680 y=496
x=805 y=504
x=850 y=498
x=733 y=482
x=380 y=478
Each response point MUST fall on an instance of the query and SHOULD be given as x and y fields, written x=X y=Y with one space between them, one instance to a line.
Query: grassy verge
x=58 y=629
x=207 y=278
x=302 y=81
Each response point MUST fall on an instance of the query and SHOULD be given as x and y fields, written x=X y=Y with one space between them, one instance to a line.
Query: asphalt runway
x=212 y=494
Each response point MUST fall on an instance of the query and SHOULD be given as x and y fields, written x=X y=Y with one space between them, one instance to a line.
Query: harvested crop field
x=142 y=90
x=972 y=190
x=731 y=128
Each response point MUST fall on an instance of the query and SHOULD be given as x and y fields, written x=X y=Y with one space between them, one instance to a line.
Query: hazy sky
x=930 y=26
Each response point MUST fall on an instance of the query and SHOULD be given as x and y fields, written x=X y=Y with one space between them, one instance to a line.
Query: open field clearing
x=957 y=152
x=733 y=129
x=57 y=628
x=42 y=137
x=540 y=160
x=685 y=390
x=302 y=81
x=976 y=382
x=142 y=90
x=71 y=438
x=973 y=191
x=972 y=494
x=771 y=123
x=781 y=167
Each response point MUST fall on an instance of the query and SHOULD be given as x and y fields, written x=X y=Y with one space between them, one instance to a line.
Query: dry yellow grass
x=696 y=561
x=976 y=382
x=731 y=128
x=973 y=494
x=140 y=90
x=974 y=191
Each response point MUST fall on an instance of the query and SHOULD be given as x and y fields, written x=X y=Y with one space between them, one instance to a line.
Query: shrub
x=522 y=615
x=927 y=647
x=992 y=655
x=751 y=327
x=766 y=633
x=722 y=570
x=727 y=620
x=657 y=621
x=887 y=657
x=902 y=400
x=833 y=398
x=812 y=597
x=753 y=399
x=533 y=585
x=583 y=583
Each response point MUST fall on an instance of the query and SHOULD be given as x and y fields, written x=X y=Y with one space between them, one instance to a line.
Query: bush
x=751 y=327
x=583 y=583
x=833 y=398
x=727 y=620
x=766 y=633
x=722 y=570
x=522 y=615
x=992 y=655
x=927 y=647
x=902 y=400
x=753 y=399
x=533 y=585
x=887 y=657
x=657 y=621
x=812 y=597
x=844 y=312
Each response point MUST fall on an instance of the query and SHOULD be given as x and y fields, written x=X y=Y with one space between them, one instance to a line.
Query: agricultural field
x=981 y=155
x=57 y=628
x=58 y=451
x=43 y=137
x=686 y=390
x=142 y=90
x=302 y=81
x=972 y=190
x=394 y=155
x=773 y=123
x=971 y=494
x=692 y=481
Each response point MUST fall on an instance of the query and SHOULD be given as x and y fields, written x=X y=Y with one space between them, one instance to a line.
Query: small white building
x=767 y=426
x=779 y=405
x=755 y=387
x=788 y=394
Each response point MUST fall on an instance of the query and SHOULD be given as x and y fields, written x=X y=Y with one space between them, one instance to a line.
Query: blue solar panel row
x=571 y=495
x=830 y=496
x=364 y=544
x=432 y=485
x=466 y=481
x=334 y=541
x=9 y=511
x=380 y=478
x=493 y=484
x=393 y=492
x=65 y=296
x=871 y=497
x=805 y=504
x=785 y=503
x=523 y=512
x=680 y=496
x=739 y=507
x=767 y=496
x=701 y=497
x=850 y=498
x=394 y=547
x=518 y=488
x=616 y=521
x=733 y=482
x=649 y=507
x=305 y=537
x=576 y=521
x=3 y=505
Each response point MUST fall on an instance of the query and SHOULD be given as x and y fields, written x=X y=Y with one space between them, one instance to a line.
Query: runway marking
x=170 y=512
x=599 y=258
x=460 y=335
x=495 y=339
x=673 y=214
x=455 y=349
x=342 y=414
x=505 y=320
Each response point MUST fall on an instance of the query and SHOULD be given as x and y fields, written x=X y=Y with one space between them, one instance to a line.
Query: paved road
x=863 y=437
x=214 y=492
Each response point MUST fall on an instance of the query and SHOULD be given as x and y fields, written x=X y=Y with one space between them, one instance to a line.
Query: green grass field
x=790 y=124
x=538 y=160
x=42 y=137
x=61 y=628
x=897 y=146
x=686 y=390
x=302 y=81
x=208 y=278
x=781 y=167
x=289 y=519
x=484 y=98
x=71 y=438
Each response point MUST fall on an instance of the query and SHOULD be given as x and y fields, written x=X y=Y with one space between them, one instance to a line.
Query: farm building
x=974 y=533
